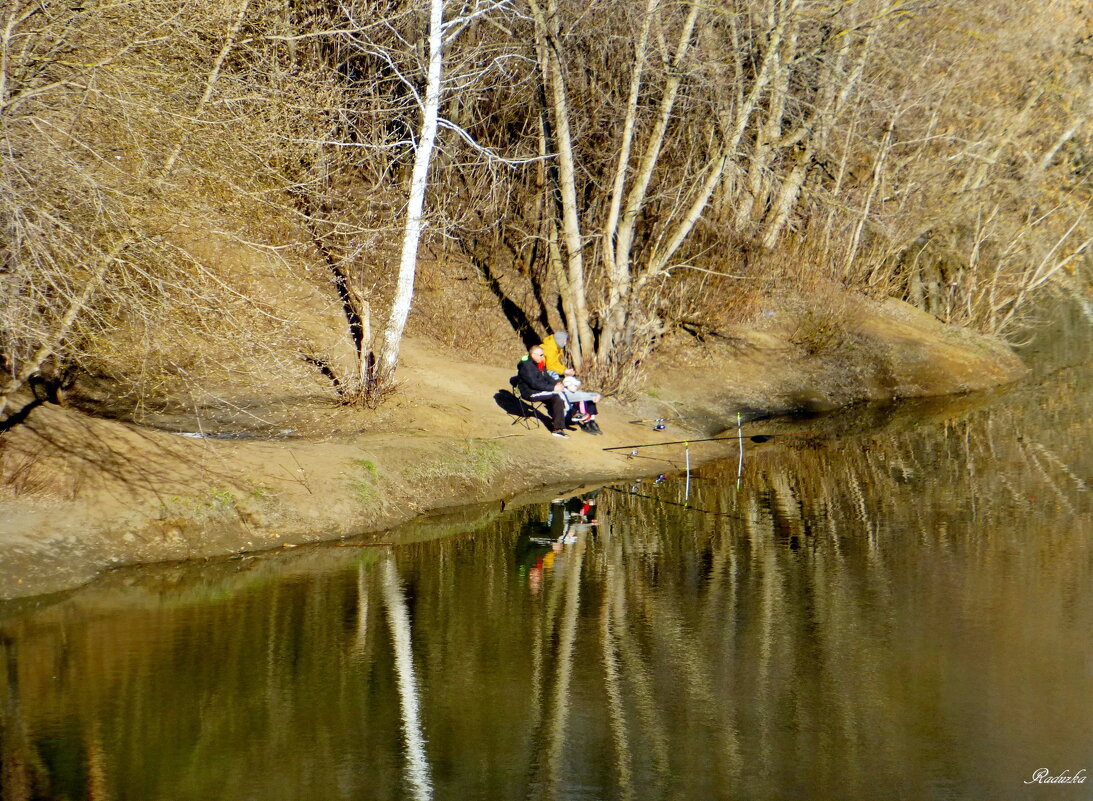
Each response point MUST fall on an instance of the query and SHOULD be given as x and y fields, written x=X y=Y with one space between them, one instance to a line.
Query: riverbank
x=83 y=494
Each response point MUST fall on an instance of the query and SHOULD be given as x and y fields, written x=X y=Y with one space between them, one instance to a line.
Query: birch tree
x=381 y=41
x=549 y=53
x=411 y=237
x=666 y=164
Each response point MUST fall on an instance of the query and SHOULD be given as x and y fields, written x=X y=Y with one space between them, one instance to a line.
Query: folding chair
x=526 y=410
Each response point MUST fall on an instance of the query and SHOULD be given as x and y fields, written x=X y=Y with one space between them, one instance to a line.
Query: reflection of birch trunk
x=617 y=715
x=839 y=626
x=787 y=503
x=360 y=636
x=417 y=766
x=567 y=641
x=536 y=711
x=724 y=575
x=694 y=665
x=760 y=532
x=97 y=784
x=636 y=670
x=1030 y=444
x=544 y=636
x=858 y=497
x=1042 y=471
x=719 y=609
x=837 y=629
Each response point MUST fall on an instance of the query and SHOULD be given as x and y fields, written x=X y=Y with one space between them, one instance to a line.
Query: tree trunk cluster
x=629 y=165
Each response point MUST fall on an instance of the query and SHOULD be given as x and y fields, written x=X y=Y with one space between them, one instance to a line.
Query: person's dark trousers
x=557 y=409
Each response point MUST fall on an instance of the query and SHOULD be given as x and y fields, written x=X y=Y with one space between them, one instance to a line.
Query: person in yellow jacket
x=554 y=360
x=554 y=353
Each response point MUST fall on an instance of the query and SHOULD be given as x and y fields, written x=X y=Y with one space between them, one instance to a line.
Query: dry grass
x=475 y=463
x=28 y=473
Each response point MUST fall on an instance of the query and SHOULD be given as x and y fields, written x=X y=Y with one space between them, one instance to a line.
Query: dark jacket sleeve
x=532 y=378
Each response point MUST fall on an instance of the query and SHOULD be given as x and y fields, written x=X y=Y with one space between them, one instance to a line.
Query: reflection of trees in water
x=417 y=766
x=809 y=574
x=836 y=605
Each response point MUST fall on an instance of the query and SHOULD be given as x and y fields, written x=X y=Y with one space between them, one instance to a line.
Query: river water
x=900 y=608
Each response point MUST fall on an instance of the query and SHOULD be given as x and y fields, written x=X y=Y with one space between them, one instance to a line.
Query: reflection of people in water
x=540 y=543
x=534 y=553
x=572 y=516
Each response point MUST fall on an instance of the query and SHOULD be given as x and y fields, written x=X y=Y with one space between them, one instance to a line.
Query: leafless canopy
x=191 y=189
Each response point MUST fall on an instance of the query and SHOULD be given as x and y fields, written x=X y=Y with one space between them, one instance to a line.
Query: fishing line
x=677 y=503
x=733 y=438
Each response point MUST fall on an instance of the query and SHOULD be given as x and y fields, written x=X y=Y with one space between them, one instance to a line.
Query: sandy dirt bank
x=80 y=495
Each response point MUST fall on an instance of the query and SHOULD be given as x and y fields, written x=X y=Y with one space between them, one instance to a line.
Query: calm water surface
x=899 y=609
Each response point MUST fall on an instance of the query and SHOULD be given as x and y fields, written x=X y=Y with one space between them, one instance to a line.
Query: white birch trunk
x=616 y=284
x=1064 y=137
x=636 y=199
x=619 y=182
x=816 y=133
x=50 y=345
x=415 y=221
x=766 y=140
x=581 y=344
x=787 y=198
x=571 y=226
x=863 y=217
x=658 y=261
x=620 y=284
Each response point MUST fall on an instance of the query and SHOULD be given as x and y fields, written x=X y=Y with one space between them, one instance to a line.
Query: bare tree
x=423 y=154
x=630 y=163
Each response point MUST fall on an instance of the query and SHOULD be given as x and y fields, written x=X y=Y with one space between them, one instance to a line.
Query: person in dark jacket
x=585 y=402
x=539 y=383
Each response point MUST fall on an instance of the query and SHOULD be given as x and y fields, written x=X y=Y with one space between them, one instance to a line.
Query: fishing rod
x=661 y=423
x=667 y=502
x=735 y=437
x=643 y=420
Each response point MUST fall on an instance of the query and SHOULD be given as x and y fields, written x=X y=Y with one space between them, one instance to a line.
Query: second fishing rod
x=732 y=437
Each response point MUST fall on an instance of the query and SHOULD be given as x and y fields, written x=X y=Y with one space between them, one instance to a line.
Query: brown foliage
x=204 y=198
